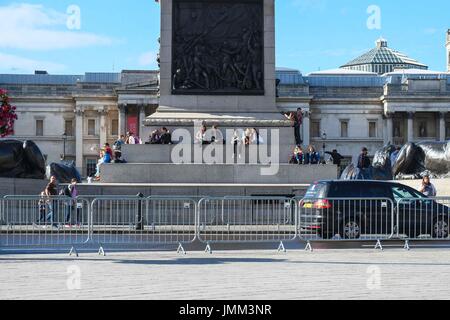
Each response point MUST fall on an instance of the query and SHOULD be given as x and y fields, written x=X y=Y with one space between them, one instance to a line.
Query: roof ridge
x=383 y=55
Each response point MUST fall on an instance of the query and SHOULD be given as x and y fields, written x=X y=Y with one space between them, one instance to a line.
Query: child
x=42 y=207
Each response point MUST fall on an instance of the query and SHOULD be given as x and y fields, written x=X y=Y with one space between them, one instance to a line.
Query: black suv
x=374 y=209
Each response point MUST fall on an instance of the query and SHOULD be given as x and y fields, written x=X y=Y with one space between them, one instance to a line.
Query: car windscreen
x=402 y=192
x=317 y=190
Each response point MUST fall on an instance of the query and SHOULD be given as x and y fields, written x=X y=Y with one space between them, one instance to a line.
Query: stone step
x=217 y=173
x=171 y=153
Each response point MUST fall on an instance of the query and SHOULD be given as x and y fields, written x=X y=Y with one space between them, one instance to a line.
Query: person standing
x=297 y=121
x=216 y=135
x=256 y=137
x=71 y=192
x=51 y=190
x=200 y=136
x=336 y=156
x=427 y=188
x=236 y=141
x=364 y=160
x=43 y=203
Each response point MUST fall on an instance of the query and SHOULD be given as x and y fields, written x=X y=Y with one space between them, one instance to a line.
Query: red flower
x=7 y=115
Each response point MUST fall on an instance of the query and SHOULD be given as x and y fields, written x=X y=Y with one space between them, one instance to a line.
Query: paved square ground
x=323 y=274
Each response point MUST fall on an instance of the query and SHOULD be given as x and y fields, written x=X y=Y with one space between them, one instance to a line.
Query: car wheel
x=440 y=228
x=351 y=230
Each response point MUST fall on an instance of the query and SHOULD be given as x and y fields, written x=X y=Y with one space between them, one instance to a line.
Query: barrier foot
x=308 y=247
x=379 y=245
x=181 y=249
x=407 y=247
x=281 y=247
x=73 y=251
x=208 y=248
x=101 y=251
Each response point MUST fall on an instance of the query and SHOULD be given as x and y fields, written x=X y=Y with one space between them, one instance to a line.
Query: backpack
x=65 y=192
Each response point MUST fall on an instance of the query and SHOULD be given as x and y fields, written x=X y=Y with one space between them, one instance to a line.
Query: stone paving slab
x=323 y=274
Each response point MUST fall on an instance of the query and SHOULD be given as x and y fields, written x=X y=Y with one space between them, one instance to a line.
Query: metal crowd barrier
x=423 y=219
x=39 y=222
x=247 y=220
x=338 y=219
x=143 y=221
x=35 y=221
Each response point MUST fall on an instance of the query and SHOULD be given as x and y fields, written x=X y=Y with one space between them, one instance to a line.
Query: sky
x=78 y=36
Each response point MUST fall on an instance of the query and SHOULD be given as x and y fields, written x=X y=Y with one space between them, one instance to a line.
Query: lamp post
x=324 y=139
x=64 y=137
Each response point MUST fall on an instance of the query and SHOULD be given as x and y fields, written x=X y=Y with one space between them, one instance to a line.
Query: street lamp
x=324 y=139
x=64 y=137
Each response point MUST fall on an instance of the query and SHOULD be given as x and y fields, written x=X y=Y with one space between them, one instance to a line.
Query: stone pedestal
x=210 y=51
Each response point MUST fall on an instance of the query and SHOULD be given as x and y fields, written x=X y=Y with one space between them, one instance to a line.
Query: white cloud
x=147 y=59
x=34 y=27
x=17 y=64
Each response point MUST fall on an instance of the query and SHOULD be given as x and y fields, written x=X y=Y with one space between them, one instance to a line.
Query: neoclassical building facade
x=73 y=115
x=345 y=109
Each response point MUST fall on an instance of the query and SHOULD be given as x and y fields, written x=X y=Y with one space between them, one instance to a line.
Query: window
x=397 y=129
x=372 y=129
x=115 y=127
x=374 y=191
x=68 y=128
x=344 y=128
x=316 y=190
x=404 y=193
x=423 y=129
x=91 y=167
x=91 y=127
x=315 y=129
x=39 y=128
x=345 y=190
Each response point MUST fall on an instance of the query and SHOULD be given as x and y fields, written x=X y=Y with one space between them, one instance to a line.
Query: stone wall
x=215 y=174
x=34 y=187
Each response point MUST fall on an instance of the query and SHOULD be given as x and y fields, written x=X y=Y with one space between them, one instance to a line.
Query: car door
x=414 y=211
x=377 y=210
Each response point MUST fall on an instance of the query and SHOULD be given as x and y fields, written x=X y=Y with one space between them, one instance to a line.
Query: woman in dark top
x=51 y=191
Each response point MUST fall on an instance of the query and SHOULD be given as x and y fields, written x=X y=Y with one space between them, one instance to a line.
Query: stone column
x=441 y=126
x=103 y=127
x=141 y=119
x=79 y=132
x=306 y=128
x=410 y=126
x=122 y=119
x=389 y=136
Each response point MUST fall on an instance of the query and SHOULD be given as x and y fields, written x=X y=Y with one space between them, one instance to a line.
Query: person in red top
x=108 y=150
